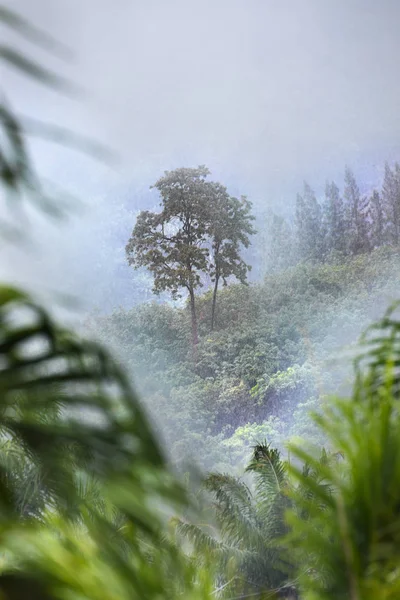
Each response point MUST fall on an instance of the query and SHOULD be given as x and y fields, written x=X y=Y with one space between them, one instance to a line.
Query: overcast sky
x=266 y=93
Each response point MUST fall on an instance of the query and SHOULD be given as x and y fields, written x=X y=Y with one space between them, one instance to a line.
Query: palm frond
x=268 y=466
x=41 y=369
x=202 y=541
x=28 y=31
x=234 y=508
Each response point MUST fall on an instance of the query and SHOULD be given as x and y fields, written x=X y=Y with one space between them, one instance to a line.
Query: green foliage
x=335 y=221
x=229 y=229
x=279 y=247
x=358 y=241
x=64 y=402
x=377 y=215
x=170 y=243
x=328 y=524
x=279 y=348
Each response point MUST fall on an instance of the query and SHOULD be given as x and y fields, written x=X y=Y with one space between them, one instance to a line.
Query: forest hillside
x=279 y=347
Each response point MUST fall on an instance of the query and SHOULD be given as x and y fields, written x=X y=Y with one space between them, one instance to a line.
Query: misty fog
x=266 y=94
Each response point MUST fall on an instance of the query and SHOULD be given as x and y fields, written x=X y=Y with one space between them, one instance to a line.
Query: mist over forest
x=278 y=95
x=199 y=324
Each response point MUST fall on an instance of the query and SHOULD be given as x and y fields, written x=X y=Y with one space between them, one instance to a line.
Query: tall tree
x=377 y=220
x=334 y=220
x=357 y=209
x=391 y=202
x=229 y=228
x=171 y=244
x=309 y=225
x=199 y=230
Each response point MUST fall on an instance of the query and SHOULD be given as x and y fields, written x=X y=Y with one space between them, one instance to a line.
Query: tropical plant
x=350 y=550
x=248 y=524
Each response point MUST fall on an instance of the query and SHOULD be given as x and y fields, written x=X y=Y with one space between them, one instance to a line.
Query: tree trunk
x=214 y=302
x=396 y=230
x=195 y=336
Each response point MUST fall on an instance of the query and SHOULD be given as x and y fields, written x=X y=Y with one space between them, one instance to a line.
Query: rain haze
x=266 y=94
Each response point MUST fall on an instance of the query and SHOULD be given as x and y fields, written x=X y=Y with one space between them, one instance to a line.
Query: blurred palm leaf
x=16 y=169
x=80 y=466
x=65 y=401
x=351 y=548
x=32 y=69
x=22 y=26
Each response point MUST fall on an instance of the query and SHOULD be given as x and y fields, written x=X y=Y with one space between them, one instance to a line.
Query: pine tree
x=377 y=220
x=356 y=207
x=309 y=225
x=391 y=202
x=334 y=220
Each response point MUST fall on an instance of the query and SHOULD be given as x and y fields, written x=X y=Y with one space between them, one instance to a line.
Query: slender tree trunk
x=396 y=229
x=214 y=302
x=195 y=336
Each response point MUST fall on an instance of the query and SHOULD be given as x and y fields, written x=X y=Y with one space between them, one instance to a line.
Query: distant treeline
x=342 y=224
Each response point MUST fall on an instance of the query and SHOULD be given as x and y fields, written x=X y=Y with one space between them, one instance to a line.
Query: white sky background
x=266 y=93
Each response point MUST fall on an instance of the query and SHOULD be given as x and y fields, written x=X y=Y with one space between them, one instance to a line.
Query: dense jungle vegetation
x=90 y=506
x=279 y=348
